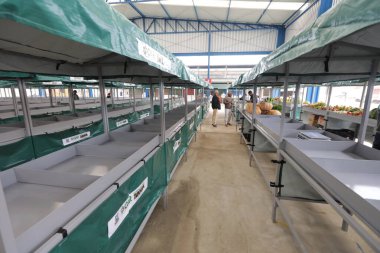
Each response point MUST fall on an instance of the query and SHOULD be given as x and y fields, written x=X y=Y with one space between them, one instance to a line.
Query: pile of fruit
x=349 y=110
x=263 y=108
x=277 y=100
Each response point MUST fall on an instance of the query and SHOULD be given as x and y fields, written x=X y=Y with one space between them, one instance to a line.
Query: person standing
x=228 y=109
x=75 y=95
x=215 y=105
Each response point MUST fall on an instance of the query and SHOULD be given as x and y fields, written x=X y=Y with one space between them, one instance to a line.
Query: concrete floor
x=218 y=203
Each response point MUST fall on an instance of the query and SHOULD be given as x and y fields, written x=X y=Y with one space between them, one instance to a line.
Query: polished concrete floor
x=218 y=203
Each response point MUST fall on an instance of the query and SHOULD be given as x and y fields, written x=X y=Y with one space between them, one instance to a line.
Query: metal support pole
x=71 y=99
x=363 y=94
x=14 y=100
x=295 y=102
x=134 y=98
x=196 y=114
x=171 y=97
x=25 y=107
x=302 y=100
x=367 y=103
x=279 y=157
x=253 y=121
x=103 y=102
x=186 y=105
x=51 y=97
x=243 y=103
x=163 y=130
x=328 y=105
x=151 y=95
x=284 y=97
x=112 y=97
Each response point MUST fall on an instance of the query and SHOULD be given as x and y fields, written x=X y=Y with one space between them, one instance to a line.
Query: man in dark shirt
x=215 y=105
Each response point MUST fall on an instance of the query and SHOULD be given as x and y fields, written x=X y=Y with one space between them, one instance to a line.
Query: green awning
x=80 y=38
x=339 y=45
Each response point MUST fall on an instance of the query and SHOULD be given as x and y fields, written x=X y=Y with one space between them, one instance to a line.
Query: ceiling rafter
x=228 y=10
x=165 y=10
x=192 y=26
x=264 y=11
x=195 y=10
x=297 y=11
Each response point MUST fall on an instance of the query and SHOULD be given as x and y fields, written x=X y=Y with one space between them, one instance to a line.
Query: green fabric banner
x=112 y=226
x=175 y=147
x=16 y=153
x=12 y=120
x=117 y=122
x=157 y=108
x=47 y=143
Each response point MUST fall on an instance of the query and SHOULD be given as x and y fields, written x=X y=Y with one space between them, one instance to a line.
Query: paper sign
x=152 y=55
x=75 y=138
x=121 y=122
x=122 y=213
x=177 y=143
x=144 y=115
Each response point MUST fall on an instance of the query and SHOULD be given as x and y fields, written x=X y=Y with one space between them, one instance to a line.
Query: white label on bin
x=121 y=122
x=152 y=55
x=75 y=138
x=177 y=143
x=191 y=125
x=122 y=213
x=144 y=115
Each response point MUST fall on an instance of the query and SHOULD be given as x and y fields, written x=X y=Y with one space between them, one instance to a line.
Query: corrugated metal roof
x=274 y=12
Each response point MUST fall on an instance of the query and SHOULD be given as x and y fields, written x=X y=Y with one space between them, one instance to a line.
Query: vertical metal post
x=284 y=97
x=295 y=102
x=71 y=99
x=25 y=107
x=367 y=102
x=195 y=114
x=302 y=100
x=363 y=94
x=171 y=97
x=162 y=112
x=134 y=98
x=253 y=121
x=163 y=130
x=208 y=56
x=151 y=94
x=51 y=97
x=14 y=100
x=279 y=157
x=186 y=104
x=243 y=102
x=329 y=92
x=112 y=98
x=103 y=102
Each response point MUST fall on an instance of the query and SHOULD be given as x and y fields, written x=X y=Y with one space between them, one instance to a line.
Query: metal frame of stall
x=309 y=70
x=99 y=63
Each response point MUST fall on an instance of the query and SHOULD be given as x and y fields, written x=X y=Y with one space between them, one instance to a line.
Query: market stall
x=341 y=45
x=96 y=182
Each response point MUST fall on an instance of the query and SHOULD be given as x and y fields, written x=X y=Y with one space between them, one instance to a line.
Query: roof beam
x=265 y=10
x=165 y=10
x=195 y=10
x=228 y=10
x=295 y=13
x=135 y=8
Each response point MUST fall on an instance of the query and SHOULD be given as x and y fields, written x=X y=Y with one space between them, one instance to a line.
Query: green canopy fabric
x=80 y=38
x=339 y=45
